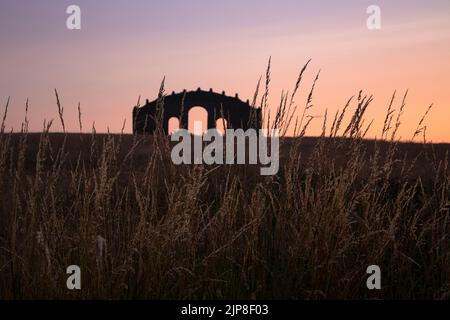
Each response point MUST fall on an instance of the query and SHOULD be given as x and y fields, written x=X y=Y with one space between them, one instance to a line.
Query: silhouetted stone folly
x=238 y=114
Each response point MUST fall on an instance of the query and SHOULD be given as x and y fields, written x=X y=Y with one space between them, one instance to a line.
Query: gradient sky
x=125 y=48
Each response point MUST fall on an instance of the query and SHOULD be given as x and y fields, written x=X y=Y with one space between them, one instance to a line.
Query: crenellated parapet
x=238 y=114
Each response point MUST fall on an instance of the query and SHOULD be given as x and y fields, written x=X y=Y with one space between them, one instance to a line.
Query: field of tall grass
x=141 y=227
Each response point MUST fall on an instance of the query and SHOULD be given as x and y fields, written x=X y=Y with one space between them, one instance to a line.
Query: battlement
x=239 y=114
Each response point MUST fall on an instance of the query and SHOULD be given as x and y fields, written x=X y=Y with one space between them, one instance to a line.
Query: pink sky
x=124 y=49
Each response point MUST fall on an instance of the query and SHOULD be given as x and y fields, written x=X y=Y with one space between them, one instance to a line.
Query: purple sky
x=126 y=47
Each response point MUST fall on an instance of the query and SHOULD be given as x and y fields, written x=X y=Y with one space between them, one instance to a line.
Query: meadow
x=141 y=227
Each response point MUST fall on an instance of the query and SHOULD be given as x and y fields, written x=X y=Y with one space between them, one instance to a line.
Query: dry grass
x=141 y=227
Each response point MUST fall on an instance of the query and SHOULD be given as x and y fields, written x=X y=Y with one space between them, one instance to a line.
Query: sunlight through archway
x=173 y=125
x=197 y=120
x=221 y=125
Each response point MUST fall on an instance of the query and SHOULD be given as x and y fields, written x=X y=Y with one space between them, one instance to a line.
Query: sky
x=125 y=48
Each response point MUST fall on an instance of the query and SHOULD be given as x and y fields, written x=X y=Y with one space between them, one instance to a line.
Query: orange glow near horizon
x=107 y=74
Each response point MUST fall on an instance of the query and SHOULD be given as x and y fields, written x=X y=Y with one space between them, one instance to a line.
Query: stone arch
x=239 y=114
x=173 y=125
x=197 y=115
x=221 y=125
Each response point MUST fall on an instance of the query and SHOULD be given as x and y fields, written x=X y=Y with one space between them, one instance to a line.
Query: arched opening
x=221 y=125
x=173 y=125
x=197 y=120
